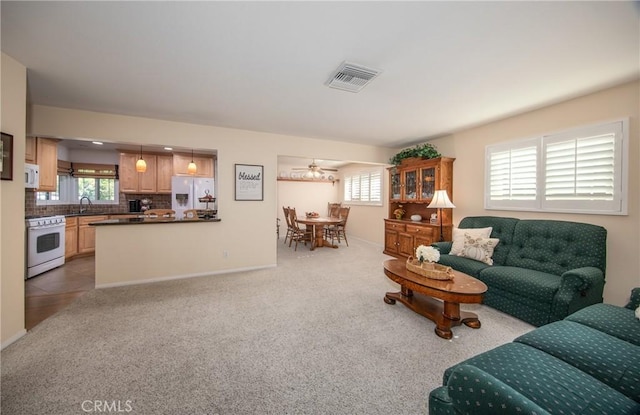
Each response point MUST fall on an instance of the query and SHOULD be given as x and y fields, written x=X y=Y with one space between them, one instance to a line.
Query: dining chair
x=160 y=213
x=287 y=219
x=333 y=209
x=298 y=234
x=339 y=231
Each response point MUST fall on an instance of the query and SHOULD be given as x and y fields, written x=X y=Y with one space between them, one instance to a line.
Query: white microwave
x=31 y=176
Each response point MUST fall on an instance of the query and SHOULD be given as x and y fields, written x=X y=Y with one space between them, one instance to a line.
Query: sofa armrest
x=443 y=247
x=581 y=279
x=579 y=288
x=634 y=301
x=474 y=391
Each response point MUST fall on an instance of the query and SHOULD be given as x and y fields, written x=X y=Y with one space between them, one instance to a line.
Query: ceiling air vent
x=352 y=77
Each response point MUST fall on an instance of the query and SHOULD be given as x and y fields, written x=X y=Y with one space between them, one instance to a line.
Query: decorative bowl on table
x=313 y=214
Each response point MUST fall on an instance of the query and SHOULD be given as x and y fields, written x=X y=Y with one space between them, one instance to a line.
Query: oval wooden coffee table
x=437 y=300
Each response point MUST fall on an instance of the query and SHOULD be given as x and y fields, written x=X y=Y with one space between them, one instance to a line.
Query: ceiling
x=263 y=66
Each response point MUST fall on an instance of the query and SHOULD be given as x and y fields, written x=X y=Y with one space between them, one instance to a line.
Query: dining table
x=318 y=223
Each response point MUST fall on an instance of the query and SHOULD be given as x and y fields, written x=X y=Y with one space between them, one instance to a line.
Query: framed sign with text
x=249 y=182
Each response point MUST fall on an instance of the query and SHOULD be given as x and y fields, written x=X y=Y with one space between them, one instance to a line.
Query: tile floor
x=50 y=292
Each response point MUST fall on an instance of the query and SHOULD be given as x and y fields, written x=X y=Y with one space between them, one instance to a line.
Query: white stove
x=45 y=244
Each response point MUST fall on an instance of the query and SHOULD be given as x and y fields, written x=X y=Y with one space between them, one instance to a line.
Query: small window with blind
x=583 y=170
x=98 y=182
x=363 y=187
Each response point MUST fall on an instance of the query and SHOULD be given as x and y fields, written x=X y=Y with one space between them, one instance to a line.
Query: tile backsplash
x=160 y=201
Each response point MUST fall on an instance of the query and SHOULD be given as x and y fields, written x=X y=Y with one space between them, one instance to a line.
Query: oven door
x=45 y=244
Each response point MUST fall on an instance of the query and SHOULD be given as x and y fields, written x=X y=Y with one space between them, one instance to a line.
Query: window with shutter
x=583 y=170
x=363 y=187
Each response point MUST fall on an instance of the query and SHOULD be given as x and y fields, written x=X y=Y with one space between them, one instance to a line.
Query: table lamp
x=440 y=200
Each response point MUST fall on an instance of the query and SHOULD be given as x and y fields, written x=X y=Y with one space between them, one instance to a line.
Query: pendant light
x=141 y=165
x=192 y=168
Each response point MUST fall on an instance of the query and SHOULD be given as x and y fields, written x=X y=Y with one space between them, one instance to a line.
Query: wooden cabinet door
x=406 y=244
x=86 y=239
x=30 y=155
x=128 y=175
x=47 y=158
x=164 y=173
x=147 y=180
x=71 y=238
x=87 y=234
x=395 y=187
x=203 y=163
x=391 y=241
x=205 y=166
x=410 y=184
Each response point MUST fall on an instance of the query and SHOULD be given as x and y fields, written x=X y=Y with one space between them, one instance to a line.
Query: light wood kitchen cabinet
x=204 y=164
x=47 y=160
x=164 y=172
x=133 y=182
x=30 y=150
x=87 y=233
x=71 y=237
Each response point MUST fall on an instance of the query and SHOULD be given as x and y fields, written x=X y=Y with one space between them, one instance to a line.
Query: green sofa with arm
x=588 y=363
x=542 y=271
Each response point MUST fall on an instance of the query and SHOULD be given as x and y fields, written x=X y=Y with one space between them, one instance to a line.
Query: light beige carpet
x=311 y=336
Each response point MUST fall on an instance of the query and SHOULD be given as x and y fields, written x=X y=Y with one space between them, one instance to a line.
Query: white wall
x=12 y=226
x=623 y=240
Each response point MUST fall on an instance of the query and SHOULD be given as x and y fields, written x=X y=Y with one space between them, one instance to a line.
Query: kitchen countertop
x=149 y=221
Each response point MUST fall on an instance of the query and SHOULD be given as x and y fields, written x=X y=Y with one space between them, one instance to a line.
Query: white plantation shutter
x=364 y=187
x=347 y=189
x=583 y=170
x=375 y=191
x=512 y=175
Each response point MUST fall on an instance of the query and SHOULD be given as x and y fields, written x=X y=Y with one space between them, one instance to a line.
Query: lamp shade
x=141 y=165
x=192 y=168
x=441 y=200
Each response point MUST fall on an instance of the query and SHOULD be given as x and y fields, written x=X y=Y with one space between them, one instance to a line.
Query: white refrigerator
x=186 y=192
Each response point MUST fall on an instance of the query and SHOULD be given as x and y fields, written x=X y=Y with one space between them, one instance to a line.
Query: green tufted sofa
x=543 y=270
x=588 y=363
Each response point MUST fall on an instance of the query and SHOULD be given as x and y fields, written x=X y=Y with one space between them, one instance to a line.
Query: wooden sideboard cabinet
x=401 y=237
x=412 y=185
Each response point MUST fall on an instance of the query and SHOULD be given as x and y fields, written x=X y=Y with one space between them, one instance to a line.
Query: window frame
x=619 y=204
x=347 y=178
x=69 y=193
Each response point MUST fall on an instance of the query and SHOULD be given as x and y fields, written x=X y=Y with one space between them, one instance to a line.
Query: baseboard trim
x=13 y=339
x=183 y=276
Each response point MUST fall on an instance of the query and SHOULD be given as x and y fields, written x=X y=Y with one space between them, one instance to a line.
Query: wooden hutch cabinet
x=412 y=185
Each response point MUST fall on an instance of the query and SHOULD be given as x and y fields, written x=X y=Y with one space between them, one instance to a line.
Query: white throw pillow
x=479 y=249
x=638 y=313
x=458 y=237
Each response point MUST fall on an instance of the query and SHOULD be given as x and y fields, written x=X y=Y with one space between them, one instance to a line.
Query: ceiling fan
x=313 y=170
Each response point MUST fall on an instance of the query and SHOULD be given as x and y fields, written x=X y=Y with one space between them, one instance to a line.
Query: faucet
x=88 y=201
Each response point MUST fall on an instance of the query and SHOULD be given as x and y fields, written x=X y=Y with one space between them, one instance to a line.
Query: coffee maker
x=135 y=205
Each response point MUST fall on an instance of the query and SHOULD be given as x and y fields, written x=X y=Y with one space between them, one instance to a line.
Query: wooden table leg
x=444 y=313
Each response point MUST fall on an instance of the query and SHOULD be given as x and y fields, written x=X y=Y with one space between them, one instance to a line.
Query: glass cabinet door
x=410 y=184
x=428 y=184
x=394 y=180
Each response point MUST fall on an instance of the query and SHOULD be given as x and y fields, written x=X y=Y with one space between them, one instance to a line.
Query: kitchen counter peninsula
x=149 y=221
x=140 y=250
